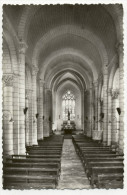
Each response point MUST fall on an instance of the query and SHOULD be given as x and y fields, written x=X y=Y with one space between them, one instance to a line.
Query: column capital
x=95 y=83
x=115 y=93
x=8 y=80
x=91 y=85
x=109 y=91
x=100 y=100
x=87 y=92
x=105 y=70
x=119 y=47
x=35 y=70
x=22 y=47
x=28 y=93
x=41 y=82
x=48 y=89
x=100 y=77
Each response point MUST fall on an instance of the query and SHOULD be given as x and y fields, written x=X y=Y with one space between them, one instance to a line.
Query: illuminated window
x=68 y=104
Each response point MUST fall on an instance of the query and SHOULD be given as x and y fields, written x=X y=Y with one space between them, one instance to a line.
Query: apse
x=68 y=88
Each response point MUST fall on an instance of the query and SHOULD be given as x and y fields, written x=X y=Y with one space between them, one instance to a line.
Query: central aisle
x=72 y=173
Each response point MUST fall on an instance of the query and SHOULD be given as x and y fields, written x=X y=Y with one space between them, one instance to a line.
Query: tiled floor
x=72 y=172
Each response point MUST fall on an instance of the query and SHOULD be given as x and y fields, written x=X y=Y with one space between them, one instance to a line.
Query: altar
x=68 y=128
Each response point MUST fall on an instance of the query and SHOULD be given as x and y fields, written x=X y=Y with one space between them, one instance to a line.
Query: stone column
x=16 y=114
x=46 y=117
x=91 y=109
x=50 y=112
x=115 y=119
x=96 y=105
x=95 y=117
x=40 y=128
x=22 y=50
x=27 y=130
x=99 y=112
x=121 y=96
x=8 y=114
x=30 y=112
x=105 y=104
x=34 y=104
x=99 y=102
x=109 y=116
x=87 y=113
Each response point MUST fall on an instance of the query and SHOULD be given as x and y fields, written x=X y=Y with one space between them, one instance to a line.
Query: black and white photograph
x=63 y=96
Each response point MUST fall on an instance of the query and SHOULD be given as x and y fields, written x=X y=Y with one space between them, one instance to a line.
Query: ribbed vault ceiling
x=76 y=43
x=51 y=44
x=91 y=17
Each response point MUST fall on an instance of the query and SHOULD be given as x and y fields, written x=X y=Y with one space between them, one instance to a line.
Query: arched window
x=68 y=104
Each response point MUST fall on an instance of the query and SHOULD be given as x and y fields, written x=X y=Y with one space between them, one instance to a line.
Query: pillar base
x=114 y=146
x=96 y=135
x=104 y=143
x=35 y=143
x=6 y=156
x=120 y=151
x=89 y=134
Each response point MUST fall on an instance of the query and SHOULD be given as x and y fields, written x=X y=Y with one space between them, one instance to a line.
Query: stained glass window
x=68 y=104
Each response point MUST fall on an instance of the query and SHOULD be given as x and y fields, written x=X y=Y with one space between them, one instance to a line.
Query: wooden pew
x=39 y=169
x=110 y=181
x=98 y=160
x=31 y=171
x=102 y=170
x=91 y=165
x=28 y=180
x=47 y=148
x=38 y=156
x=103 y=159
x=33 y=164
x=39 y=152
x=27 y=186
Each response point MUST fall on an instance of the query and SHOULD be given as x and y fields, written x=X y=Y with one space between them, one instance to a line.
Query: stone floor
x=72 y=172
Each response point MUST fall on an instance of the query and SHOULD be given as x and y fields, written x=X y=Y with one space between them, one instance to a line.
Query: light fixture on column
x=37 y=115
x=11 y=120
x=102 y=115
x=7 y=114
x=43 y=117
x=118 y=110
x=86 y=118
x=25 y=110
x=94 y=118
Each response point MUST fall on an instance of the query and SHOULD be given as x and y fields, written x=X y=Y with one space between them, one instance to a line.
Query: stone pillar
x=99 y=112
x=88 y=113
x=96 y=106
x=115 y=119
x=50 y=112
x=22 y=50
x=27 y=130
x=91 y=109
x=34 y=104
x=8 y=114
x=121 y=96
x=85 y=114
x=95 y=117
x=109 y=116
x=47 y=112
x=105 y=105
x=16 y=114
x=30 y=112
x=100 y=120
x=40 y=128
